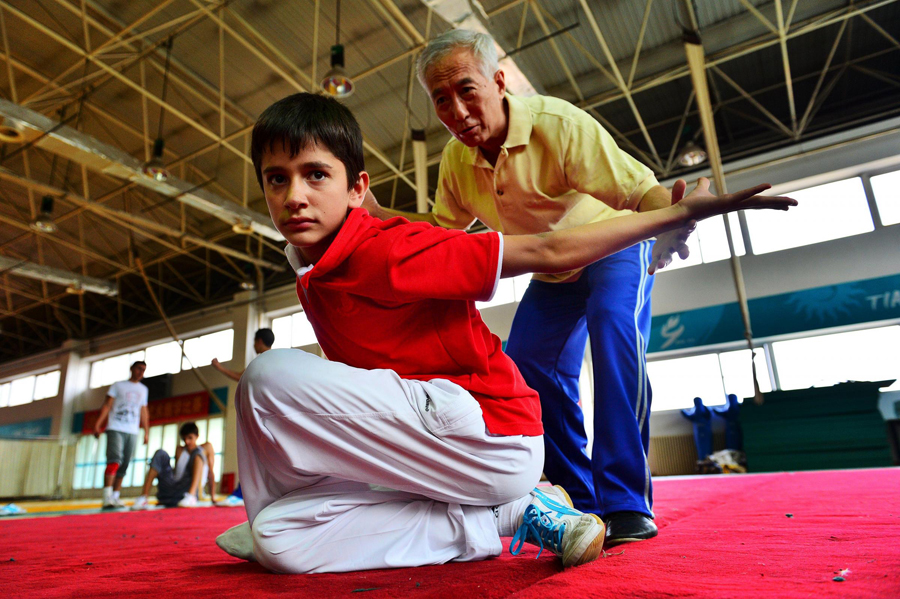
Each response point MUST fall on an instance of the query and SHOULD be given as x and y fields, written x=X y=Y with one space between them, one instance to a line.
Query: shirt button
x=499 y=192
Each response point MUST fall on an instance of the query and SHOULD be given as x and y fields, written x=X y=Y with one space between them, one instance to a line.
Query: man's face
x=469 y=104
x=258 y=346
x=308 y=198
x=190 y=441
x=137 y=372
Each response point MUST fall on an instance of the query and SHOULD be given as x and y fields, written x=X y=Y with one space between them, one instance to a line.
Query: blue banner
x=805 y=310
x=24 y=430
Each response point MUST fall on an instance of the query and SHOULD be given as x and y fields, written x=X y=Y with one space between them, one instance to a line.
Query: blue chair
x=731 y=414
x=701 y=418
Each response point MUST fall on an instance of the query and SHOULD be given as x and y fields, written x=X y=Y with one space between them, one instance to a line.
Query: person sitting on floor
x=180 y=487
x=417 y=442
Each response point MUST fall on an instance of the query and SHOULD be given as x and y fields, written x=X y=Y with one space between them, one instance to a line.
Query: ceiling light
x=44 y=221
x=75 y=288
x=12 y=131
x=242 y=227
x=155 y=168
x=337 y=82
x=691 y=155
x=248 y=285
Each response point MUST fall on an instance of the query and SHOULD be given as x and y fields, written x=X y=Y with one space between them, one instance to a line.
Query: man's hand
x=371 y=204
x=215 y=363
x=146 y=437
x=97 y=432
x=671 y=242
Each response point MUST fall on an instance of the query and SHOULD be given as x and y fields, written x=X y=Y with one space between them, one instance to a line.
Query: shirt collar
x=518 y=134
x=298 y=264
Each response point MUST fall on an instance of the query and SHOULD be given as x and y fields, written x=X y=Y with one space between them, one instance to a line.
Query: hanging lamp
x=155 y=168
x=336 y=81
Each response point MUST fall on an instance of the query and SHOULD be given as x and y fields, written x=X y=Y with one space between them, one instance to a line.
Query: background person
x=263 y=341
x=180 y=486
x=124 y=413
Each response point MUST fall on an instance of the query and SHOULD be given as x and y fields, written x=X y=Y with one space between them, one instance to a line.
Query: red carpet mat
x=772 y=535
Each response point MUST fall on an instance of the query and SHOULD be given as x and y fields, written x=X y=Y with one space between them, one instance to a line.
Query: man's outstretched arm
x=569 y=249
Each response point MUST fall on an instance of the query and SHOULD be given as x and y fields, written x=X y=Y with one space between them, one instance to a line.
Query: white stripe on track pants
x=347 y=469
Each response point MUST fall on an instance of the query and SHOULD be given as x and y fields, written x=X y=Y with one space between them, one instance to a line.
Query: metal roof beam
x=66 y=278
x=142 y=226
x=96 y=155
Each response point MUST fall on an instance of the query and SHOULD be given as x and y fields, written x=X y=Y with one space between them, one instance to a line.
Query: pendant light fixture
x=44 y=221
x=691 y=155
x=11 y=131
x=337 y=82
x=155 y=168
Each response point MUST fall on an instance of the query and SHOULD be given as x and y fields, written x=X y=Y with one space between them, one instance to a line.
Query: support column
x=245 y=319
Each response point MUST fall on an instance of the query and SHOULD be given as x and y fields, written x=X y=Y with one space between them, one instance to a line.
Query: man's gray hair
x=480 y=44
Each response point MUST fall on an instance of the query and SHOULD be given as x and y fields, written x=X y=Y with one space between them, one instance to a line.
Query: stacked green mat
x=816 y=429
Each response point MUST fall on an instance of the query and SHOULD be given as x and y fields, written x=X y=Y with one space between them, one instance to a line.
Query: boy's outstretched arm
x=569 y=249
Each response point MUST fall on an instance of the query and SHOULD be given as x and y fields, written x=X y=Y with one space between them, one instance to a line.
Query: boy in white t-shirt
x=125 y=409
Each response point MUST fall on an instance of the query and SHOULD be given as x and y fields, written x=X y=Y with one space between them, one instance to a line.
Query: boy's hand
x=700 y=203
x=671 y=242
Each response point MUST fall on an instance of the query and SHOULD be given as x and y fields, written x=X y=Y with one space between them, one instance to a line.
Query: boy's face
x=308 y=198
x=190 y=441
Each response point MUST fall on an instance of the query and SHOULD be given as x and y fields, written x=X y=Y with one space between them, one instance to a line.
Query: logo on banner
x=671 y=331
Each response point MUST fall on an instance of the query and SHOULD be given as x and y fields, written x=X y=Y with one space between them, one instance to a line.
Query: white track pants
x=348 y=469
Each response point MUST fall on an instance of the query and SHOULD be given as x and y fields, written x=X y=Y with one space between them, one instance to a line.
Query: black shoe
x=628 y=527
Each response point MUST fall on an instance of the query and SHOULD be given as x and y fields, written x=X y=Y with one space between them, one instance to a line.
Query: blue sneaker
x=231 y=501
x=11 y=509
x=551 y=522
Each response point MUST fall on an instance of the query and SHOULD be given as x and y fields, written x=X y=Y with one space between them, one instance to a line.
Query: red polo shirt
x=401 y=296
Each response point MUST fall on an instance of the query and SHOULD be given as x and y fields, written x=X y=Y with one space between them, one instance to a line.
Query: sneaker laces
x=539 y=528
x=559 y=508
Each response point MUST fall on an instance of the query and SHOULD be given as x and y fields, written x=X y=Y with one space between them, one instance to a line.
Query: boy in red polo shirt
x=417 y=442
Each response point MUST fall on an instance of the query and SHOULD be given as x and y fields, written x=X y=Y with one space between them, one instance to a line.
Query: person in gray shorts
x=178 y=486
x=124 y=413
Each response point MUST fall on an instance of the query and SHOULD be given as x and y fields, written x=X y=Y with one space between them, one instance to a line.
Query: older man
x=530 y=165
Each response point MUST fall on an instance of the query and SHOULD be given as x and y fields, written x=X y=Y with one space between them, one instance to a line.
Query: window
x=26 y=389
x=202 y=350
x=826 y=212
x=90 y=453
x=711 y=377
x=868 y=355
x=108 y=371
x=886 y=189
x=46 y=385
x=709 y=243
x=165 y=358
x=293 y=330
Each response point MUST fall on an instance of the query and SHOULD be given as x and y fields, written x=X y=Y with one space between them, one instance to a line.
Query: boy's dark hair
x=302 y=119
x=139 y=362
x=266 y=336
x=187 y=428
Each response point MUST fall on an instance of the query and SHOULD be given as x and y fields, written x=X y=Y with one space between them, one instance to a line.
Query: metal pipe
x=696 y=61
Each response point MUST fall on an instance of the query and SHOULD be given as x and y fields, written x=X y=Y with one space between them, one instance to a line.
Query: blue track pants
x=611 y=304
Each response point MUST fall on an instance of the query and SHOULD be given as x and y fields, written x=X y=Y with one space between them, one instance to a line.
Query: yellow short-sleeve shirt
x=555 y=165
